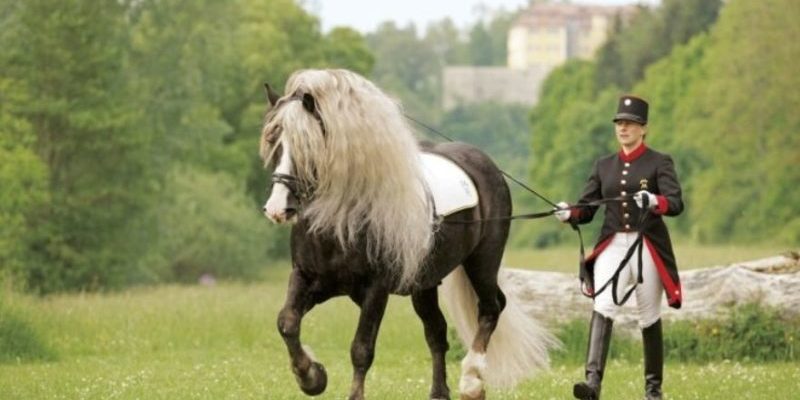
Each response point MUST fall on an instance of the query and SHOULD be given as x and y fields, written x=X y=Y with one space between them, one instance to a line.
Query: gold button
x=627 y=215
x=624 y=172
x=624 y=204
x=627 y=226
x=624 y=193
x=623 y=181
x=627 y=164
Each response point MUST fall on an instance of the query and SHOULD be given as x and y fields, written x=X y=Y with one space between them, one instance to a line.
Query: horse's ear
x=309 y=104
x=271 y=95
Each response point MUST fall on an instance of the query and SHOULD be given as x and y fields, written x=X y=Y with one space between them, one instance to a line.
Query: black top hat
x=631 y=108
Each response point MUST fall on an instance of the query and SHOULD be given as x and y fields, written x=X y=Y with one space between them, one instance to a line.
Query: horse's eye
x=273 y=136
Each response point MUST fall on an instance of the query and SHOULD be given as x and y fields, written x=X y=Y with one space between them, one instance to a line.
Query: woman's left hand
x=639 y=197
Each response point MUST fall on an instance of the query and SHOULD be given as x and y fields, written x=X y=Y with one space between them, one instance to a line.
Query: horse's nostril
x=290 y=212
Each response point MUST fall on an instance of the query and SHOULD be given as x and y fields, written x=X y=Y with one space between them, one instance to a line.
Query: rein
x=614 y=281
x=506 y=174
x=637 y=246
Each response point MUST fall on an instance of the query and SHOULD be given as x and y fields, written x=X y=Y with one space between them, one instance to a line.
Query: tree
x=668 y=83
x=345 y=48
x=103 y=103
x=22 y=193
x=742 y=117
x=203 y=66
x=70 y=58
x=498 y=129
x=649 y=36
x=408 y=68
x=481 y=51
x=445 y=40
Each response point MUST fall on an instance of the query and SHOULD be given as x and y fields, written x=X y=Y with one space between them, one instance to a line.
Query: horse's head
x=282 y=137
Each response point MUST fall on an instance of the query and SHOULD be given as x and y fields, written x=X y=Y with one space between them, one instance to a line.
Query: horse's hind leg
x=426 y=304
x=481 y=268
x=310 y=374
x=362 y=352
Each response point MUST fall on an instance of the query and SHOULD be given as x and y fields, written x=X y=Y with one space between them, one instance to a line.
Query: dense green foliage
x=651 y=35
x=128 y=129
x=724 y=104
x=749 y=333
x=128 y=135
x=495 y=128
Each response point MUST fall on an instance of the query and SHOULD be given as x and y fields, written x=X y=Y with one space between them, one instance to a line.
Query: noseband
x=298 y=189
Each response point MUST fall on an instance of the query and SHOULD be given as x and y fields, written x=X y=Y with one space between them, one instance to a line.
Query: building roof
x=557 y=15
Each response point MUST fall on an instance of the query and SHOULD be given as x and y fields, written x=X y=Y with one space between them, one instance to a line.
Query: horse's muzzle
x=282 y=216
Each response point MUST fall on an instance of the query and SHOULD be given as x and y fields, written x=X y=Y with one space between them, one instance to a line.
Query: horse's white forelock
x=365 y=168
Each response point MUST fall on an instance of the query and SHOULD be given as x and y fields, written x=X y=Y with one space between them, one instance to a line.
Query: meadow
x=220 y=342
x=564 y=258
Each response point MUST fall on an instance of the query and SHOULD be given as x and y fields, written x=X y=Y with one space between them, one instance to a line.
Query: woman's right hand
x=562 y=211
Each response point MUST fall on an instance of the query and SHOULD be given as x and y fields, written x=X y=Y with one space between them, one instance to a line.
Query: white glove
x=563 y=212
x=652 y=201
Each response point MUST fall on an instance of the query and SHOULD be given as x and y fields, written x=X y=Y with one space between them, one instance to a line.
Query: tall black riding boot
x=653 y=361
x=596 y=354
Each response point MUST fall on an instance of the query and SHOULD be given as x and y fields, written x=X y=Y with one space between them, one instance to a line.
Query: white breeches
x=647 y=295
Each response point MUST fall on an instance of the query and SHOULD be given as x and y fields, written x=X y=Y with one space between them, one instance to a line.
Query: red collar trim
x=634 y=154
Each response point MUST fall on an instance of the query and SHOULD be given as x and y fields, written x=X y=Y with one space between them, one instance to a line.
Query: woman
x=648 y=178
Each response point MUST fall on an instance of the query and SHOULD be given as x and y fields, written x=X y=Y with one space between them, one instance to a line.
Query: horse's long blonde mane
x=365 y=168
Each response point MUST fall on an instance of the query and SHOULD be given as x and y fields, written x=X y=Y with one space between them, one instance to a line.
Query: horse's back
x=494 y=195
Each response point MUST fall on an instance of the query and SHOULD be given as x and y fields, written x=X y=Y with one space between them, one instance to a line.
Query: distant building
x=543 y=37
x=548 y=34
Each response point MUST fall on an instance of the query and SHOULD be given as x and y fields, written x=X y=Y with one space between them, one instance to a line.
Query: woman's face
x=629 y=134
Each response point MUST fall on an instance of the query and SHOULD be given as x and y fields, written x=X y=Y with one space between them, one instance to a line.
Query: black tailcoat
x=620 y=175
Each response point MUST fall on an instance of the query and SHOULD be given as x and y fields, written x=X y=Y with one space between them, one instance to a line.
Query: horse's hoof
x=314 y=381
x=440 y=396
x=584 y=391
x=480 y=396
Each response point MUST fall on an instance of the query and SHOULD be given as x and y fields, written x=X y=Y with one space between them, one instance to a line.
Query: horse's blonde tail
x=519 y=346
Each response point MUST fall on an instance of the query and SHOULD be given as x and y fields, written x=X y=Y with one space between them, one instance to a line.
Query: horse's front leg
x=362 y=351
x=309 y=373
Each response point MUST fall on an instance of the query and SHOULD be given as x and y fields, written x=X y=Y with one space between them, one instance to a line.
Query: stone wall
x=469 y=85
x=707 y=292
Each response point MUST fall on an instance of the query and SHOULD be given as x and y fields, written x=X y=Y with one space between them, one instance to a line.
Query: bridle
x=301 y=190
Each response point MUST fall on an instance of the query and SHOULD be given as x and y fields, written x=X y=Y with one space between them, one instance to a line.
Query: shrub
x=750 y=332
x=19 y=341
x=208 y=226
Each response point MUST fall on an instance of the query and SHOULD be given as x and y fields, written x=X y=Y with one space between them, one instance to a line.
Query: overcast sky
x=366 y=15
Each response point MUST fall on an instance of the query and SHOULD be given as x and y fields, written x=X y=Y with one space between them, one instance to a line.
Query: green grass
x=564 y=258
x=190 y=342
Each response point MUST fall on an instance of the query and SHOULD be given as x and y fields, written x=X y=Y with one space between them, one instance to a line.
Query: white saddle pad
x=451 y=188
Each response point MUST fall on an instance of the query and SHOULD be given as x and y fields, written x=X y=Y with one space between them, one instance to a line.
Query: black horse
x=346 y=172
